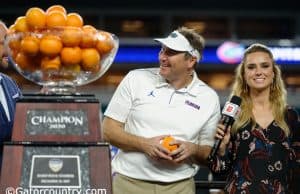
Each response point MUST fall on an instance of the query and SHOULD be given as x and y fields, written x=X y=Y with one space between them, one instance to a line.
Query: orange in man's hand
x=166 y=143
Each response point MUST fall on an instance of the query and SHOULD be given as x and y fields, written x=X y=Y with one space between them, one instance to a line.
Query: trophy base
x=65 y=89
x=56 y=168
x=52 y=118
x=62 y=98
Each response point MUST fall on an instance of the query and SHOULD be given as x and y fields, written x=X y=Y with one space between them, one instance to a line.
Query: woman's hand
x=224 y=136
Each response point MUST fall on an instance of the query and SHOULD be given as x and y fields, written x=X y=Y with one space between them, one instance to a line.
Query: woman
x=257 y=152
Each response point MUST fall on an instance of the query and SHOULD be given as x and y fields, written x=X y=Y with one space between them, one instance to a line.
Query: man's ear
x=192 y=61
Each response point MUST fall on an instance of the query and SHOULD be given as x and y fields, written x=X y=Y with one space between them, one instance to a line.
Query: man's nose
x=162 y=55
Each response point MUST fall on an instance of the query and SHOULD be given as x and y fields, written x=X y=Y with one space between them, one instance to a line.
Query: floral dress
x=257 y=161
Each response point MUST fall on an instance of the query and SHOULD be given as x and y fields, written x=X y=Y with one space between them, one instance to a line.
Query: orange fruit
x=71 y=36
x=20 y=24
x=75 y=20
x=56 y=8
x=70 y=55
x=50 y=45
x=30 y=45
x=11 y=29
x=104 y=42
x=73 y=68
x=14 y=44
x=55 y=19
x=90 y=59
x=166 y=143
x=35 y=18
x=50 y=63
x=89 y=38
x=26 y=62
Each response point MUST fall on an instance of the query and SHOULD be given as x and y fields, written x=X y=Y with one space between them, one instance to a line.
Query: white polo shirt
x=150 y=107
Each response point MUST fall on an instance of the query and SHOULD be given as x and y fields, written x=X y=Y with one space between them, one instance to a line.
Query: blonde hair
x=277 y=93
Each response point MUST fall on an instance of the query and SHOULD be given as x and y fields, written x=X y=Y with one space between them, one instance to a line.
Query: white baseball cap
x=178 y=42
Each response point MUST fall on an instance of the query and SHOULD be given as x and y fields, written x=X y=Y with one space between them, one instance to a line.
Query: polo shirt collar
x=161 y=82
x=192 y=89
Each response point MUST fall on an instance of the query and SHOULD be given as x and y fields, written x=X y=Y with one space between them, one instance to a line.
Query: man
x=9 y=93
x=150 y=104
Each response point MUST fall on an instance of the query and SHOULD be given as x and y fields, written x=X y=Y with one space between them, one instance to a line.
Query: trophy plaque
x=56 y=168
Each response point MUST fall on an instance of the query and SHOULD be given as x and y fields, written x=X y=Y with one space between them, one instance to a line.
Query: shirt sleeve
x=207 y=135
x=222 y=164
x=121 y=102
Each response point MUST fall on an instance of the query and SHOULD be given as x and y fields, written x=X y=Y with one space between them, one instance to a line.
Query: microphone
x=229 y=113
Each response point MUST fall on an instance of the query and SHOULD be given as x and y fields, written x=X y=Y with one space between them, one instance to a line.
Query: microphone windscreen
x=236 y=100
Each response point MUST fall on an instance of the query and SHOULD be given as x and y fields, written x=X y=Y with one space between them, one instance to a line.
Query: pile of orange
x=55 y=40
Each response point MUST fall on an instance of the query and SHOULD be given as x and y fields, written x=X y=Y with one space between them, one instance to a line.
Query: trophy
x=58 y=111
x=56 y=139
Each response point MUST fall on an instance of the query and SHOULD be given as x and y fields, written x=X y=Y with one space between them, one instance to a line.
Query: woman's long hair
x=277 y=93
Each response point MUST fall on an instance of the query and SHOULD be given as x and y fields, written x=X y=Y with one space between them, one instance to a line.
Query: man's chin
x=164 y=69
x=163 y=73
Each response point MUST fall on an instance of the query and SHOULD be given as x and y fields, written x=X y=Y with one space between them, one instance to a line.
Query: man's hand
x=153 y=148
x=114 y=133
x=184 y=151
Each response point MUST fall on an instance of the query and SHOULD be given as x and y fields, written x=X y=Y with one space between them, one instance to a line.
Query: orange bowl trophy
x=55 y=50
